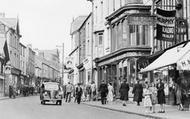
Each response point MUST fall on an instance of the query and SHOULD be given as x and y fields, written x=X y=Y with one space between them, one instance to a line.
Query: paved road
x=30 y=108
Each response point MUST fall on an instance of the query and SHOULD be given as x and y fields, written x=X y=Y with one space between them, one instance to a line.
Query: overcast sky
x=45 y=23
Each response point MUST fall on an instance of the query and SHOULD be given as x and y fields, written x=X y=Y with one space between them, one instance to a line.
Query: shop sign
x=184 y=63
x=69 y=62
x=15 y=71
x=165 y=25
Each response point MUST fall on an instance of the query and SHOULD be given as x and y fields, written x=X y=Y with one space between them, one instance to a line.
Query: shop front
x=173 y=68
x=119 y=66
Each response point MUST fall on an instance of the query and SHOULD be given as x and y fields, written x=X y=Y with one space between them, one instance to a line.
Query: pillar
x=117 y=80
x=136 y=72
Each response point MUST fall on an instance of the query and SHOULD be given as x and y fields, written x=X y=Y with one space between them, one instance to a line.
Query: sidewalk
x=4 y=98
x=171 y=111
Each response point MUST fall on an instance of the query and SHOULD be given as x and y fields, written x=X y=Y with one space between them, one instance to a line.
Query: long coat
x=138 y=92
x=124 y=89
x=103 y=90
x=160 y=93
x=78 y=92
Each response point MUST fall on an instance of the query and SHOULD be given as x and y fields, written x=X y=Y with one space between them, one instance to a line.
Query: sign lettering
x=165 y=25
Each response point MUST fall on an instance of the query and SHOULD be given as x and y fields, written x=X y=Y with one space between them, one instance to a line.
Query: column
x=117 y=80
x=136 y=72
x=128 y=70
x=98 y=73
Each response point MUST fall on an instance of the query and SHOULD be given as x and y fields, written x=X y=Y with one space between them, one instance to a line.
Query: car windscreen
x=51 y=86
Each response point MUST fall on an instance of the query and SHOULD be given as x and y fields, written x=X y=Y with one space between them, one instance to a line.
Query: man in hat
x=78 y=93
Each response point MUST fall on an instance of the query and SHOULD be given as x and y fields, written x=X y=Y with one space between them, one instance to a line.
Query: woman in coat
x=124 y=89
x=161 y=96
x=138 y=92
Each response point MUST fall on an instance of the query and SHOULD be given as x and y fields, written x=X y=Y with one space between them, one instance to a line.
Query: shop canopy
x=169 y=57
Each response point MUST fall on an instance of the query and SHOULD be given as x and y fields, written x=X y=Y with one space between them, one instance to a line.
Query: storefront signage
x=69 y=62
x=165 y=25
x=184 y=63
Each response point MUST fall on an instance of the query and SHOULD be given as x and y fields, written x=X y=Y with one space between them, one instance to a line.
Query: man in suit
x=78 y=93
x=103 y=92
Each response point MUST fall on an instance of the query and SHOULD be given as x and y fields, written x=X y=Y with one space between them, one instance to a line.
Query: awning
x=169 y=57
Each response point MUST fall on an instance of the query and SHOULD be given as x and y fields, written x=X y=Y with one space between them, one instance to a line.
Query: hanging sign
x=165 y=25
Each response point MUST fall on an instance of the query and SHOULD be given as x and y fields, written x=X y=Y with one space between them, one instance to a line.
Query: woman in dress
x=147 y=98
x=110 y=93
x=161 y=96
x=179 y=97
x=153 y=96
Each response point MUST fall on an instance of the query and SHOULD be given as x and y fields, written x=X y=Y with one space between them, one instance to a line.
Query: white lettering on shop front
x=167 y=30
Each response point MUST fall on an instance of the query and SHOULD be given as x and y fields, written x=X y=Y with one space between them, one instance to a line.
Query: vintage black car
x=51 y=92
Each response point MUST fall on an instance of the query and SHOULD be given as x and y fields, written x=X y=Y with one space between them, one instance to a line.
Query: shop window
x=88 y=76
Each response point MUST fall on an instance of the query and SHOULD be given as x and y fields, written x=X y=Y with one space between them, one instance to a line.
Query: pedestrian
x=10 y=91
x=93 y=90
x=68 y=92
x=88 y=92
x=110 y=93
x=138 y=92
x=78 y=93
x=124 y=89
x=103 y=90
x=147 y=98
x=161 y=96
x=179 y=97
x=153 y=96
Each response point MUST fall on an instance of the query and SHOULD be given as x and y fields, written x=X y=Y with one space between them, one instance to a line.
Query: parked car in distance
x=51 y=92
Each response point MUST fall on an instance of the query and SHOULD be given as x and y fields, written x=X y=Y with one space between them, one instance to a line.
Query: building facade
x=30 y=65
x=75 y=46
x=122 y=35
x=23 y=61
x=85 y=43
x=11 y=33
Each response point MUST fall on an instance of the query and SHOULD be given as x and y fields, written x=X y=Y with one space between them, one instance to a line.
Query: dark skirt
x=161 y=97
x=124 y=97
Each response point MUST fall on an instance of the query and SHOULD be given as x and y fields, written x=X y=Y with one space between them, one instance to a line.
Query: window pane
x=132 y=35
x=138 y=34
x=119 y=34
x=100 y=39
x=125 y=30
